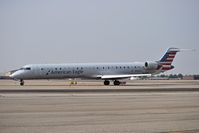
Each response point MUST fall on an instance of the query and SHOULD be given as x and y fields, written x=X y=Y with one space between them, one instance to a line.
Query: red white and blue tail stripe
x=167 y=59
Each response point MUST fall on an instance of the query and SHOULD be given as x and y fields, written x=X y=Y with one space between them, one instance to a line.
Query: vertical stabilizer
x=166 y=61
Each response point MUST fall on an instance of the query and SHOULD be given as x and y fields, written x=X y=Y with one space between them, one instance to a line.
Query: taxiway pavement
x=47 y=107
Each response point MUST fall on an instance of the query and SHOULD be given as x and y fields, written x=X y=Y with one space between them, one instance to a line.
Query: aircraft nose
x=16 y=75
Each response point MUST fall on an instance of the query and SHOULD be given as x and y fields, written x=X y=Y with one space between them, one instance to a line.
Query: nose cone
x=16 y=75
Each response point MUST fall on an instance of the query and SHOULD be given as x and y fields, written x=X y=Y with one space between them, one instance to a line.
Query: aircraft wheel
x=106 y=82
x=116 y=82
x=21 y=82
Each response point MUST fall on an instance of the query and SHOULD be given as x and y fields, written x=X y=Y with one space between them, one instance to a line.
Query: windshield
x=25 y=68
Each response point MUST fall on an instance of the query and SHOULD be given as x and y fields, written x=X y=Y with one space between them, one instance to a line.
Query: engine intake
x=151 y=65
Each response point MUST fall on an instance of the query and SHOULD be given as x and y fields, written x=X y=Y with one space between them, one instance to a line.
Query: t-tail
x=165 y=62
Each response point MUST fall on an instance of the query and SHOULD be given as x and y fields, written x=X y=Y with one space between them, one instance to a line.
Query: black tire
x=21 y=82
x=116 y=82
x=106 y=82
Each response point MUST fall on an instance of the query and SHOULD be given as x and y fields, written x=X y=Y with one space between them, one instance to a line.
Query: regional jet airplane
x=103 y=71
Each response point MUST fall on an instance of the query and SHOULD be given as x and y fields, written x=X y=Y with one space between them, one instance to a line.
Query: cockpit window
x=25 y=68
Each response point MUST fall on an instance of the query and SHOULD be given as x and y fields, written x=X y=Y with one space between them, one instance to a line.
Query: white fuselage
x=103 y=71
x=79 y=70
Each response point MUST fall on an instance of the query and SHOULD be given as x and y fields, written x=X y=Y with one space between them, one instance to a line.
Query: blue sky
x=65 y=31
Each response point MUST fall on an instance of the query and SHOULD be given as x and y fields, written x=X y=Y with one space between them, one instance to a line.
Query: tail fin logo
x=168 y=58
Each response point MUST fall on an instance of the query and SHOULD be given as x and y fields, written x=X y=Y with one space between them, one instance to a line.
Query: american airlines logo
x=75 y=72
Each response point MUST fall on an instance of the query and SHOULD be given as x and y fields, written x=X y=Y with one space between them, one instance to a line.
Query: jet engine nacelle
x=151 y=65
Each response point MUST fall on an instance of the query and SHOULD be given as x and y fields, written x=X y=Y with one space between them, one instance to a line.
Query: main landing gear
x=115 y=82
x=106 y=82
x=21 y=82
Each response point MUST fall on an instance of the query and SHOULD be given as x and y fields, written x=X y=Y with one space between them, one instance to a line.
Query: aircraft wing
x=126 y=76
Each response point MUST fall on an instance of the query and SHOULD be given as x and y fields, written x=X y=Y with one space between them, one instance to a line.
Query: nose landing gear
x=21 y=82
